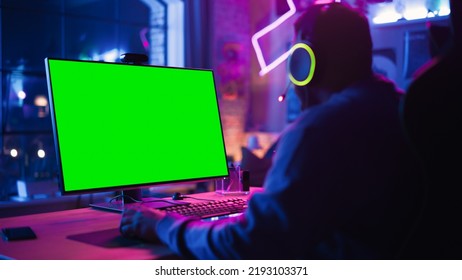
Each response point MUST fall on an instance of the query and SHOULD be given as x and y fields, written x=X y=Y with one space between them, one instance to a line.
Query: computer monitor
x=121 y=126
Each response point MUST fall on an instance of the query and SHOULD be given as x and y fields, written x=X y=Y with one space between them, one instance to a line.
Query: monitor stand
x=131 y=196
x=132 y=199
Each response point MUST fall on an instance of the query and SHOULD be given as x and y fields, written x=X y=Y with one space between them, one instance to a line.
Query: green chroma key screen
x=122 y=125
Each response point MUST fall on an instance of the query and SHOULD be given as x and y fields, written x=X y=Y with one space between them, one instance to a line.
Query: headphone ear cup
x=301 y=63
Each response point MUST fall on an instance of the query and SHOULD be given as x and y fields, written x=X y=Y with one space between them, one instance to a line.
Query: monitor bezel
x=61 y=183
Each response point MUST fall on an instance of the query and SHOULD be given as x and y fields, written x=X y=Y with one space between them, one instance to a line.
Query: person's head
x=341 y=41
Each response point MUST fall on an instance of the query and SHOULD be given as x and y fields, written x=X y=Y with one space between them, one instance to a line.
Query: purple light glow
x=265 y=68
x=144 y=38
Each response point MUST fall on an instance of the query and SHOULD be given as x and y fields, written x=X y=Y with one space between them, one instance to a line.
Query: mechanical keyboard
x=210 y=209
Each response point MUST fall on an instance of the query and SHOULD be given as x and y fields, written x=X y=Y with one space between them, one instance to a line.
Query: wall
x=232 y=59
x=268 y=114
x=248 y=102
x=402 y=47
x=32 y=30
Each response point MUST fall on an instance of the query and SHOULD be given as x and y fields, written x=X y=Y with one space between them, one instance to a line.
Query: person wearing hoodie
x=432 y=118
x=338 y=186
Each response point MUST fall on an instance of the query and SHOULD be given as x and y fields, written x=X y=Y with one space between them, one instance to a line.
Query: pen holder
x=237 y=183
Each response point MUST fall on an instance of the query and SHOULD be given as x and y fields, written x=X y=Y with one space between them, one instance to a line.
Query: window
x=88 y=30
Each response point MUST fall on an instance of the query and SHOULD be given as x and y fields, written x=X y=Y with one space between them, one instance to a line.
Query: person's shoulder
x=380 y=83
x=323 y=116
x=351 y=103
x=437 y=78
x=427 y=67
x=439 y=69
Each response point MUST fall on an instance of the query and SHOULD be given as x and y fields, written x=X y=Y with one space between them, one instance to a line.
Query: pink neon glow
x=265 y=68
x=144 y=39
x=325 y=1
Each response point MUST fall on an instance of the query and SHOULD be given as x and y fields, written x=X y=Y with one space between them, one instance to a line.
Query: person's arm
x=283 y=221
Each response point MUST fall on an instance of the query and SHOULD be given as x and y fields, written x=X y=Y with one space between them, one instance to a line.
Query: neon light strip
x=261 y=60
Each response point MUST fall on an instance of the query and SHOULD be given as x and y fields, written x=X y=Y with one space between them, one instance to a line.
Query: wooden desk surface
x=81 y=234
x=76 y=234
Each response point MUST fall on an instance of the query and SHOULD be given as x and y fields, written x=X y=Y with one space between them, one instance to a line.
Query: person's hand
x=141 y=223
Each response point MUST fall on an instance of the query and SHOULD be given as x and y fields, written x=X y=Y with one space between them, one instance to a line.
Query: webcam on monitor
x=134 y=58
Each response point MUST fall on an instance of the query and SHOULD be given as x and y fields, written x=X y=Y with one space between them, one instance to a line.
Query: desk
x=82 y=234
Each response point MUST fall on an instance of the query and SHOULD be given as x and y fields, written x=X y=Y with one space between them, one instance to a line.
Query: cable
x=142 y=201
x=123 y=196
x=161 y=200
x=179 y=196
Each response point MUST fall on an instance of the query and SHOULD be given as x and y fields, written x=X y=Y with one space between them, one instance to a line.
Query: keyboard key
x=210 y=209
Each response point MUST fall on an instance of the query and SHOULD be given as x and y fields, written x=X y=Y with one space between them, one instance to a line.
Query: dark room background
x=212 y=34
